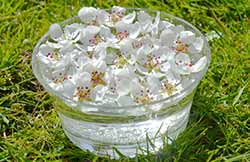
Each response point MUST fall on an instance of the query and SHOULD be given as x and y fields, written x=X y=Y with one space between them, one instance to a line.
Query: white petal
x=87 y=14
x=196 y=46
x=199 y=65
x=144 y=17
x=103 y=17
x=164 y=25
x=98 y=92
x=187 y=37
x=176 y=29
x=155 y=25
x=101 y=66
x=83 y=78
x=168 y=37
x=72 y=31
x=173 y=77
x=92 y=30
x=125 y=101
x=165 y=67
x=123 y=86
x=100 y=52
x=153 y=84
x=68 y=88
x=105 y=32
x=129 y=18
x=79 y=59
x=55 y=31
x=136 y=88
x=45 y=49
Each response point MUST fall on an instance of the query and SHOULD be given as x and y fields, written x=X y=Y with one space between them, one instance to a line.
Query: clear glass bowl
x=107 y=130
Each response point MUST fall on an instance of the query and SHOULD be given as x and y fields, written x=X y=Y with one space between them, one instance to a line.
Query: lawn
x=219 y=126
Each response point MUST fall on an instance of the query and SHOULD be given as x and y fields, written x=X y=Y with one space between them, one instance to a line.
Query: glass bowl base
x=128 y=139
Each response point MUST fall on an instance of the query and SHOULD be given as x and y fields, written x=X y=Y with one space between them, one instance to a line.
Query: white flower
x=141 y=94
x=97 y=71
x=125 y=30
x=154 y=60
x=86 y=90
x=61 y=81
x=181 y=41
x=52 y=57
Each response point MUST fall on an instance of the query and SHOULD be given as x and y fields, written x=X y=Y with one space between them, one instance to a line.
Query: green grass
x=219 y=127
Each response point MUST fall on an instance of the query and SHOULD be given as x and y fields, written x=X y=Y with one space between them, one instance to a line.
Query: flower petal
x=103 y=17
x=164 y=25
x=72 y=31
x=153 y=84
x=199 y=65
x=129 y=18
x=168 y=37
x=98 y=93
x=187 y=37
x=144 y=17
x=155 y=25
x=196 y=46
x=87 y=14
x=55 y=31
x=125 y=100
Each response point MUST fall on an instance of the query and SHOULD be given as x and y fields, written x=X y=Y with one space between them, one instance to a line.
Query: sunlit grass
x=219 y=123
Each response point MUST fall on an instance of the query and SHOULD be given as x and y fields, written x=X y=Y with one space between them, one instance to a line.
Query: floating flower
x=181 y=41
x=125 y=30
x=61 y=81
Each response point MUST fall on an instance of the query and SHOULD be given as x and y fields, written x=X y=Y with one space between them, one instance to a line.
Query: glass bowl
x=111 y=130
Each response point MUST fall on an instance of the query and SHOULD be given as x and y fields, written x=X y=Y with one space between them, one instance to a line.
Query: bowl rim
x=89 y=104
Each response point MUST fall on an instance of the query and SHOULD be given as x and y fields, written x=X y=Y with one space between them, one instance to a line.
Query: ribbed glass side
x=101 y=134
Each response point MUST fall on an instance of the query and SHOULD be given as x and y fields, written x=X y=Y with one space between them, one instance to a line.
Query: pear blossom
x=181 y=41
x=61 y=81
x=125 y=30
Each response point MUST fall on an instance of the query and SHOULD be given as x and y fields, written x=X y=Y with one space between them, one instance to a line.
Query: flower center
x=96 y=78
x=54 y=56
x=95 y=40
x=136 y=44
x=121 y=61
x=168 y=88
x=83 y=93
x=114 y=17
x=122 y=35
x=60 y=79
x=181 y=47
x=152 y=63
x=144 y=97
